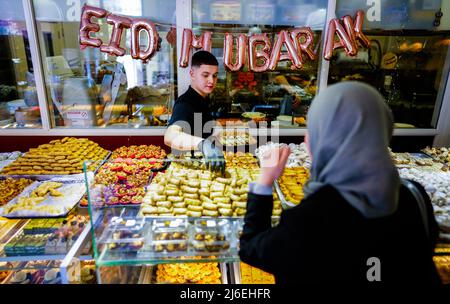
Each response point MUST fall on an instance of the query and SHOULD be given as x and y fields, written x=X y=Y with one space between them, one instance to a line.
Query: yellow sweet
x=200 y=273
x=292 y=182
x=252 y=275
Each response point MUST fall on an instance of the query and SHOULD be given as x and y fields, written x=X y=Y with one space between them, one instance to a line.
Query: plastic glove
x=214 y=159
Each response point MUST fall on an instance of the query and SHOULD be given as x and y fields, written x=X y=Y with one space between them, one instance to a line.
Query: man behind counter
x=191 y=117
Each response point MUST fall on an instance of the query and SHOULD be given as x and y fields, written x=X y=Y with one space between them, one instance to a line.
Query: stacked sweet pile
x=252 y=275
x=4 y=270
x=291 y=183
x=236 y=137
x=198 y=273
x=10 y=188
x=441 y=154
x=200 y=193
x=299 y=156
x=139 y=152
x=88 y=275
x=121 y=182
x=241 y=160
x=443 y=268
x=65 y=156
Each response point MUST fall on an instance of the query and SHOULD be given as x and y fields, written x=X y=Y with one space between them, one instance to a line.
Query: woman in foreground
x=357 y=222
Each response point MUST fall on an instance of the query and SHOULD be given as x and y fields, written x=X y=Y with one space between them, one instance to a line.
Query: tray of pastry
x=77 y=173
x=11 y=187
x=235 y=138
x=54 y=198
x=154 y=156
x=58 y=157
x=120 y=183
x=439 y=154
x=197 y=193
x=289 y=186
x=187 y=160
x=241 y=160
x=421 y=161
x=190 y=273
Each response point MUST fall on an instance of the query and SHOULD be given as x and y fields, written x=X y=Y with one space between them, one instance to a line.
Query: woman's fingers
x=286 y=151
x=275 y=157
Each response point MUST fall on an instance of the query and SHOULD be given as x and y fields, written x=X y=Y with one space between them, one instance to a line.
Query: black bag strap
x=420 y=202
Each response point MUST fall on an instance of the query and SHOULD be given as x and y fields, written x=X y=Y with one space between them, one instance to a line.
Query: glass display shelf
x=167 y=240
x=69 y=267
x=45 y=250
x=136 y=220
x=44 y=238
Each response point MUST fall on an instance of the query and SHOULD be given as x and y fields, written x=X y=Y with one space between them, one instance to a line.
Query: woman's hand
x=272 y=165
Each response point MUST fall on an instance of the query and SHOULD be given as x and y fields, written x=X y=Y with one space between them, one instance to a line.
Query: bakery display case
x=181 y=218
x=184 y=214
x=153 y=217
x=44 y=233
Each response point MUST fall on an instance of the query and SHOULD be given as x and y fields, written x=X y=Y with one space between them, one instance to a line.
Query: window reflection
x=19 y=107
x=407 y=70
x=283 y=95
x=92 y=89
x=394 y=14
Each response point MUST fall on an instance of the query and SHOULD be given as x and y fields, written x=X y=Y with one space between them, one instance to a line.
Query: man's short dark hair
x=203 y=57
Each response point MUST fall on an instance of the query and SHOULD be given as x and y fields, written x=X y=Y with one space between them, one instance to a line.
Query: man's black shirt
x=183 y=111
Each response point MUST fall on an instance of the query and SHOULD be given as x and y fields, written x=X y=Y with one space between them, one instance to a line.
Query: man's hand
x=272 y=165
x=214 y=159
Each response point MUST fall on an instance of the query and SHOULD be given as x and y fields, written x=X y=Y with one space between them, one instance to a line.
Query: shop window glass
x=19 y=107
x=88 y=88
x=409 y=67
x=270 y=92
x=398 y=14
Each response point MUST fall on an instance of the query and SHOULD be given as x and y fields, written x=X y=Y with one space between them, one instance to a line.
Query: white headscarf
x=349 y=128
